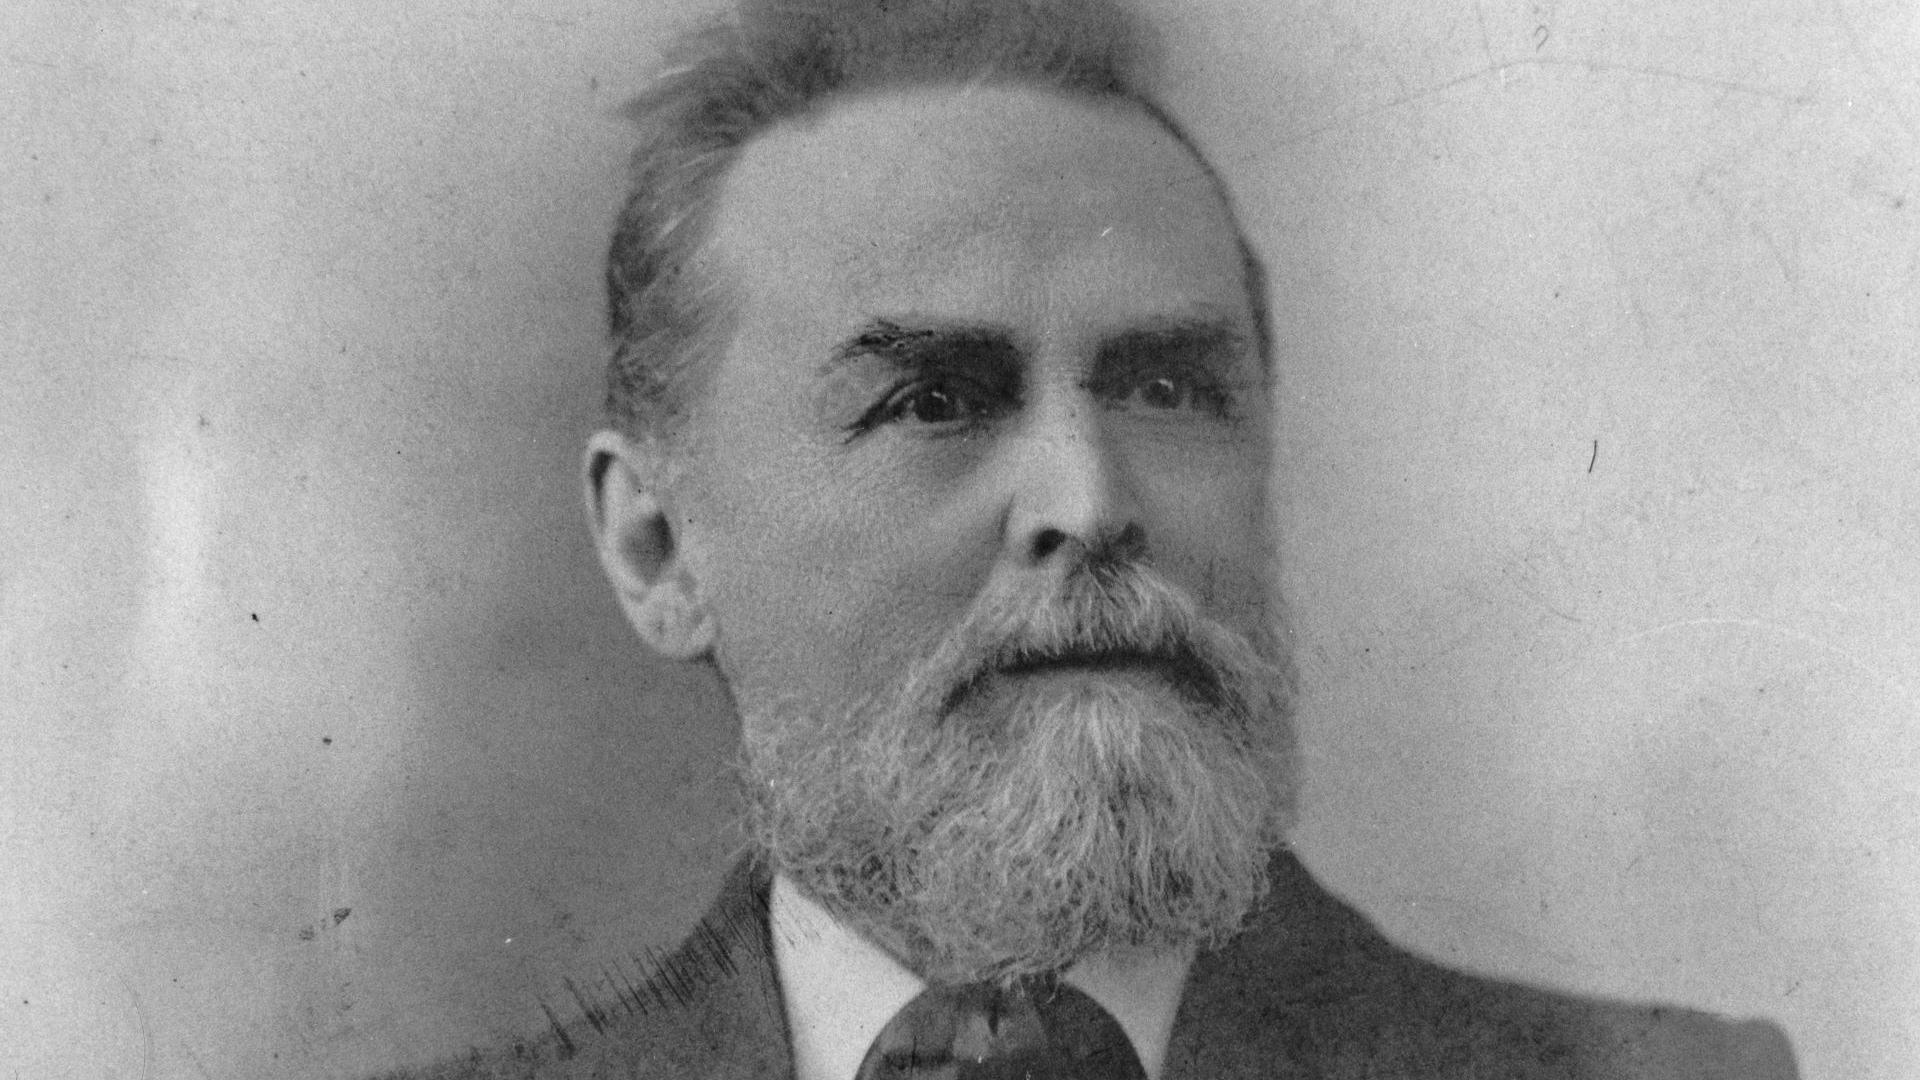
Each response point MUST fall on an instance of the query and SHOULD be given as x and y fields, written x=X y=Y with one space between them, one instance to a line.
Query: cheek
x=910 y=569
x=830 y=582
x=1212 y=535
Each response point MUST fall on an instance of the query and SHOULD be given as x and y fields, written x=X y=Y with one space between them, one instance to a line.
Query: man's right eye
x=936 y=404
x=943 y=403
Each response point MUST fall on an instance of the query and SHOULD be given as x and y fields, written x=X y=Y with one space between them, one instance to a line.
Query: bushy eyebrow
x=1191 y=338
x=935 y=344
x=923 y=346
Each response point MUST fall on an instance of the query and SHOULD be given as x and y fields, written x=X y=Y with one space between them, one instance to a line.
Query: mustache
x=1109 y=617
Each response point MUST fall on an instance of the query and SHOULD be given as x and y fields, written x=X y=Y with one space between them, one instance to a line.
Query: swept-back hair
x=772 y=60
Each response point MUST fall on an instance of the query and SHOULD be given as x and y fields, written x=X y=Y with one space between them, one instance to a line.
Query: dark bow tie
x=1040 y=1029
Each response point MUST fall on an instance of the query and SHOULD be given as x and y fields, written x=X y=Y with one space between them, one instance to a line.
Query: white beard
x=983 y=825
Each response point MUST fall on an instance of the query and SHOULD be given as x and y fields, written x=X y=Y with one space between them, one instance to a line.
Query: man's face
x=977 y=502
x=977 y=332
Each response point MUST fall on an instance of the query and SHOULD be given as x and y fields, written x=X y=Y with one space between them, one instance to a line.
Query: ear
x=639 y=550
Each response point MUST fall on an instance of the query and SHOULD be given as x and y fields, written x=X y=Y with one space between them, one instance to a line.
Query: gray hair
x=779 y=59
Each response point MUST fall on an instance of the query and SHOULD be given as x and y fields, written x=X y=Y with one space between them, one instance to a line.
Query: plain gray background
x=326 y=749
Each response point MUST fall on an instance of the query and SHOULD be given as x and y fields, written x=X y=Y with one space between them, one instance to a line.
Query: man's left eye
x=1169 y=391
x=1165 y=392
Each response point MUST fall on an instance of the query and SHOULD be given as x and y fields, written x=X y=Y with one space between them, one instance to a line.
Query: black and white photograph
x=960 y=540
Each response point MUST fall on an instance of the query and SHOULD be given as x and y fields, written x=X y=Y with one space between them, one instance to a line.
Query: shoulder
x=1311 y=982
x=710 y=1010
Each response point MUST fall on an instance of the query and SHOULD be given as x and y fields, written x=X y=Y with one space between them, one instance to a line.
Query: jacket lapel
x=712 y=1008
x=1242 y=1002
x=1309 y=989
x=1241 y=1014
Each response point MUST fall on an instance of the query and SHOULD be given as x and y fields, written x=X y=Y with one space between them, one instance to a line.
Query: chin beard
x=984 y=824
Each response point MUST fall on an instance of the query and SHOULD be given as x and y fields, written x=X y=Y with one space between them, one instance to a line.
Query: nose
x=1072 y=499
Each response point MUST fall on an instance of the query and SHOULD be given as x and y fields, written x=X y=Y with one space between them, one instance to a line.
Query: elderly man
x=941 y=427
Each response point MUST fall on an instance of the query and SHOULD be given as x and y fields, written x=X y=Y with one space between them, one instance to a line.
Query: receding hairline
x=1186 y=167
x=779 y=63
x=848 y=123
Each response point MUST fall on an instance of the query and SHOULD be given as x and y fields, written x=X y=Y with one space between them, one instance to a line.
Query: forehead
x=975 y=193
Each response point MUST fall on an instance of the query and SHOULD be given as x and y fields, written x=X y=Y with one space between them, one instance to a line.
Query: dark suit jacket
x=1308 y=990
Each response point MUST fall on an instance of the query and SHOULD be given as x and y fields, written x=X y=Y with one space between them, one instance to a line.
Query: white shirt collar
x=841 y=989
